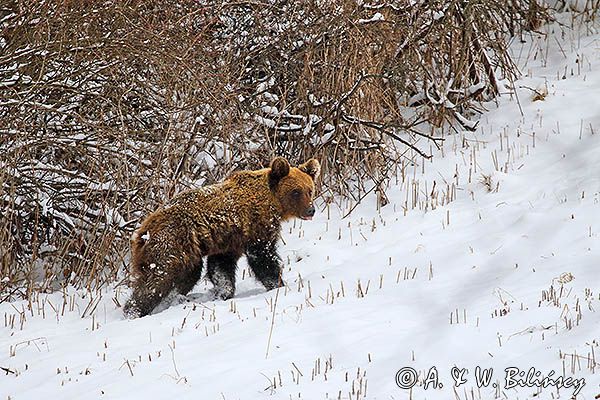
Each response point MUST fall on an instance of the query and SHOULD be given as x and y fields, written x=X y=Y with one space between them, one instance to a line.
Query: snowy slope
x=505 y=275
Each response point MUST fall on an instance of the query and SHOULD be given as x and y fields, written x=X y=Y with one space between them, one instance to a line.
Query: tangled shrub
x=109 y=108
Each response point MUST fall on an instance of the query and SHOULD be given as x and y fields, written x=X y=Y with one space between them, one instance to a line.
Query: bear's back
x=239 y=209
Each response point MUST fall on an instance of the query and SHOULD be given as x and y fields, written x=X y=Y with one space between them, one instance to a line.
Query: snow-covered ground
x=505 y=275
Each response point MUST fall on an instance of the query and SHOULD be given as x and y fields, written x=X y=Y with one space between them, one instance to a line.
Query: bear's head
x=294 y=187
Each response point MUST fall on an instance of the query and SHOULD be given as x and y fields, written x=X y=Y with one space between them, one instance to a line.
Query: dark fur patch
x=265 y=263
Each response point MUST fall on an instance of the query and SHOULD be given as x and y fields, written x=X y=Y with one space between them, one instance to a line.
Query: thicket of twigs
x=109 y=108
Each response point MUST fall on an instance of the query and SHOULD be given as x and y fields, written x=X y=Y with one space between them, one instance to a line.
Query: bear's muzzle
x=309 y=213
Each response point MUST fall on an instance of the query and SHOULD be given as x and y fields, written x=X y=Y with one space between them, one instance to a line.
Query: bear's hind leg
x=221 y=272
x=265 y=264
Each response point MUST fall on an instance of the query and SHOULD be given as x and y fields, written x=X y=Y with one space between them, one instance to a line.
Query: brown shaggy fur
x=241 y=215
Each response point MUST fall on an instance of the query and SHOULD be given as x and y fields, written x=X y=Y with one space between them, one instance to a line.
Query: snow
x=375 y=18
x=271 y=97
x=270 y=110
x=328 y=130
x=486 y=256
x=269 y=123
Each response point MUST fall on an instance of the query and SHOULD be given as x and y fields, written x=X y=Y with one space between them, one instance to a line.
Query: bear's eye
x=296 y=194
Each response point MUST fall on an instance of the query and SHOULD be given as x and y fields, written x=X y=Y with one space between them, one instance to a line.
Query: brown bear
x=240 y=216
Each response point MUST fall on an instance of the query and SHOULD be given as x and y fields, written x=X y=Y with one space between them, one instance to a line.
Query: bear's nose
x=310 y=211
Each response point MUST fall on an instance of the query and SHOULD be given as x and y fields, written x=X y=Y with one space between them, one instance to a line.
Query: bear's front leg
x=265 y=263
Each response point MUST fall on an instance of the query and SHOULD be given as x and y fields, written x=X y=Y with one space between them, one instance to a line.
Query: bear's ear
x=312 y=167
x=280 y=168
